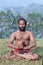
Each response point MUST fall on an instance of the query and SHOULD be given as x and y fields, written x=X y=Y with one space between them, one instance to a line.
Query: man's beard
x=22 y=29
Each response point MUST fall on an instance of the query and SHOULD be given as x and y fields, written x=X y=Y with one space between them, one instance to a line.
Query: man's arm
x=11 y=40
x=33 y=42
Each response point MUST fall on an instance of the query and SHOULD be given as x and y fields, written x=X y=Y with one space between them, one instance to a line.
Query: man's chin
x=22 y=30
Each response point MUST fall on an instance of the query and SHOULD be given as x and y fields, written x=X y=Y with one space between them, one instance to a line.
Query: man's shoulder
x=26 y=31
x=15 y=32
x=29 y=32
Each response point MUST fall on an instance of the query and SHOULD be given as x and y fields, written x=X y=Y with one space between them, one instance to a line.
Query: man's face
x=21 y=25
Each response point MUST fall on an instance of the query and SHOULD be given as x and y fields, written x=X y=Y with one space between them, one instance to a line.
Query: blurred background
x=12 y=10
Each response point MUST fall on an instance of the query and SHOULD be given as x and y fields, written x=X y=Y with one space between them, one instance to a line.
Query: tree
x=34 y=20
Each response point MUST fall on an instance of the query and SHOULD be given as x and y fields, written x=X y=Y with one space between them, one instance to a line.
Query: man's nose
x=22 y=26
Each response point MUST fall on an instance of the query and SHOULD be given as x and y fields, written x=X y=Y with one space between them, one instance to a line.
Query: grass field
x=4 y=49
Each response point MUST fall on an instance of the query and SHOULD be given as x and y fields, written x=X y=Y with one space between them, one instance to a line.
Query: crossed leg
x=11 y=55
x=30 y=55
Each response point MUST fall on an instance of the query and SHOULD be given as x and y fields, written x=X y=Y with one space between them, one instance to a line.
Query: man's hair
x=23 y=20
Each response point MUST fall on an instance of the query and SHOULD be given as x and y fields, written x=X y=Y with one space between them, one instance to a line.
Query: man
x=22 y=48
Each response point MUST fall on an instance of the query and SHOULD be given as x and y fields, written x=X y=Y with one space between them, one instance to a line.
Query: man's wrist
x=26 y=48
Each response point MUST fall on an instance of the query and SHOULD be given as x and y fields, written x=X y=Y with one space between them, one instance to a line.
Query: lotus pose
x=22 y=47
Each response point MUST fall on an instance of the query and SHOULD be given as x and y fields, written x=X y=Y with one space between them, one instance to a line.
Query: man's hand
x=27 y=47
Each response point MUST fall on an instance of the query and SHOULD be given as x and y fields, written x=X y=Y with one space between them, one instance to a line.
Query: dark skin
x=22 y=38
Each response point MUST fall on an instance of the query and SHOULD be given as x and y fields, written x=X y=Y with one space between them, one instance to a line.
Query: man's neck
x=22 y=31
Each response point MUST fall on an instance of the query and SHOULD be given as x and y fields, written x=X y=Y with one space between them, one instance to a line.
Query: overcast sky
x=15 y=3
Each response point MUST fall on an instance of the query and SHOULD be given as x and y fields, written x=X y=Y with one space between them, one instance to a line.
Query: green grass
x=4 y=49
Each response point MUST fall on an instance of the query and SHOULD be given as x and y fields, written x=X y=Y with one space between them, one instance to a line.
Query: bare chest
x=22 y=36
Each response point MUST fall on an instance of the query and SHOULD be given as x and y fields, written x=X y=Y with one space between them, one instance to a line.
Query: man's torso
x=22 y=38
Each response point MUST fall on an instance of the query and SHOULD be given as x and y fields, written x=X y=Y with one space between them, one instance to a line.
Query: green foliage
x=8 y=23
x=35 y=24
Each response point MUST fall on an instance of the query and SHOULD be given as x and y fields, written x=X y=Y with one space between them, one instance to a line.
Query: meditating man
x=22 y=47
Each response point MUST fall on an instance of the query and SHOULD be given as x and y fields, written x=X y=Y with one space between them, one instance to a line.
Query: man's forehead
x=21 y=21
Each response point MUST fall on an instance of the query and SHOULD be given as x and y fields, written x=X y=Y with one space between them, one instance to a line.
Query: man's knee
x=36 y=57
x=7 y=57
